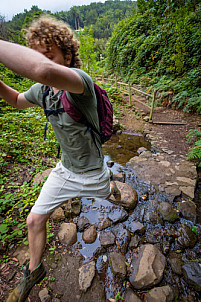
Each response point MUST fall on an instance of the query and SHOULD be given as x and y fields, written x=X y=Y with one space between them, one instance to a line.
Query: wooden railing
x=129 y=90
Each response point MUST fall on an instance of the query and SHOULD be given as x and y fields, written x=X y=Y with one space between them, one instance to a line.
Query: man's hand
x=13 y=97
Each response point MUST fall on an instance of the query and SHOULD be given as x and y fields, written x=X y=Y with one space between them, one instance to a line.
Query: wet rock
x=151 y=237
x=107 y=238
x=72 y=207
x=104 y=224
x=160 y=294
x=44 y=296
x=68 y=233
x=110 y=163
x=122 y=237
x=130 y=296
x=163 y=174
x=118 y=264
x=171 y=190
x=129 y=196
x=165 y=246
x=188 y=210
x=186 y=237
x=168 y=212
x=86 y=275
x=99 y=251
x=116 y=124
x=146 y=154
x=40 y=176
x=119 y=132
x=187 y=298
x=176 y=265
x=151 y=212
x=118 y=215
x=102 y=266
x=58 y=214
x=188 y=190
x=89 y=236
x=148 y=267
x=141 y=149
x=82 y=223
x=136 y=227
x=134 y=242
x=119 y=177
x=192 y=274
x=153 y=218
x=22 y=254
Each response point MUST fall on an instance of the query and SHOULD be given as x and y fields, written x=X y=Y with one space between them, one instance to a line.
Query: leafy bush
x=164 y=46
x=195 y=152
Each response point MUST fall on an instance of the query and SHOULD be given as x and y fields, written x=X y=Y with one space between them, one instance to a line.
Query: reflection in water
x=122 y=148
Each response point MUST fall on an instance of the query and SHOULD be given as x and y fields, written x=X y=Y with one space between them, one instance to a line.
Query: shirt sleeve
x=87 y=81
x=35 y=94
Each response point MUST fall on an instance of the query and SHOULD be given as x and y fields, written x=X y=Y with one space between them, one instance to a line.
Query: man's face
x=54 y=53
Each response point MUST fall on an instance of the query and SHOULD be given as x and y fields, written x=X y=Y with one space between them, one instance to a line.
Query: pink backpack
x=104 y=108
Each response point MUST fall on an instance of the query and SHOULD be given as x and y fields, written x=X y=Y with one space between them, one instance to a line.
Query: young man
x=53 y=60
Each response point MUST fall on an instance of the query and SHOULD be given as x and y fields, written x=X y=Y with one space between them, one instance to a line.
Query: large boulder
x=192 y=274
x=90 y=234
x=160 y=294
x=168 y=212
x=129 y=197
x=118 y=264
x=86 y=275
x=68 y=233
x=148 y=267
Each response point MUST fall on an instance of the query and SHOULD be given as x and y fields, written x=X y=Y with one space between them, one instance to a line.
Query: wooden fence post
x=129 y=91
x=115 y=81
x=152 y=106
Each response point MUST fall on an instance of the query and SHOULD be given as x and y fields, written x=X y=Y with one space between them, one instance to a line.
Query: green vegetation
x=161 y=44
x=101 y=16
x=194 y=136
x=156 y=45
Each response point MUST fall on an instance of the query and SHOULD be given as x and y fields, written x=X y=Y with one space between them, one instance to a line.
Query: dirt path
x=170 y=136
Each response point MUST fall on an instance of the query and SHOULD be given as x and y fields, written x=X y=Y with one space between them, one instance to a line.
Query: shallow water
x=122 y=148
x=118 y=149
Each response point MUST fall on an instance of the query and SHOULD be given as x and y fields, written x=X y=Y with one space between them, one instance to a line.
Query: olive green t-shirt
x=80 y=152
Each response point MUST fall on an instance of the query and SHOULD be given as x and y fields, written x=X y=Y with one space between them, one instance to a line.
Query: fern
x=195 y=152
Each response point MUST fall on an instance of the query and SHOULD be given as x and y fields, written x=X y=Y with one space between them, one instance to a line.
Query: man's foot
x=116 y=192
x=21 y=292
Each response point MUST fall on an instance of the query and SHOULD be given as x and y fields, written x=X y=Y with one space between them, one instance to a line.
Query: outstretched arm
x=35 y=66
x=13 y=97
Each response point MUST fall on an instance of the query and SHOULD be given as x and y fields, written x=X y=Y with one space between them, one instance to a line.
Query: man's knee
x=36 y=221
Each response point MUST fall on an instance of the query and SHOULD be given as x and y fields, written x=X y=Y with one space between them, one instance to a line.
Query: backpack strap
x=50 y=111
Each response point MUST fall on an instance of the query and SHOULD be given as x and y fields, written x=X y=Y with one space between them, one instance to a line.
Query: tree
x=87 y=52
x=4 y=34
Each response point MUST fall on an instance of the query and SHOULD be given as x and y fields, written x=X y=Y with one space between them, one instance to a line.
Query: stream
x=118 y=151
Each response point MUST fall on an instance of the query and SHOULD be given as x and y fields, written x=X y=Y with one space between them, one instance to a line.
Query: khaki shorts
x=63 y=184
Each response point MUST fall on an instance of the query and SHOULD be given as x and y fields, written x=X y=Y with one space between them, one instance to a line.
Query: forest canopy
x=161 y=43
x=152 y=42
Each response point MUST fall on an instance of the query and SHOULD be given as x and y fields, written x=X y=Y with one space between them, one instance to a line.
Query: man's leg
x=37 y=237
x=36 y=271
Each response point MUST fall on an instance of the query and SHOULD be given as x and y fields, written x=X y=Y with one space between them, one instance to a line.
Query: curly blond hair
x=47 y=31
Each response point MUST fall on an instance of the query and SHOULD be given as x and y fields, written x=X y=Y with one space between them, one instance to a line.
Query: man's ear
x=68 y=60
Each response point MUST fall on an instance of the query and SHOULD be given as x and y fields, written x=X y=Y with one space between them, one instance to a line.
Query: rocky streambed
x=145 y=248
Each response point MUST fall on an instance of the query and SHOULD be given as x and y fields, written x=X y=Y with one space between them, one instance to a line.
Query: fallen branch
x=168 y=123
